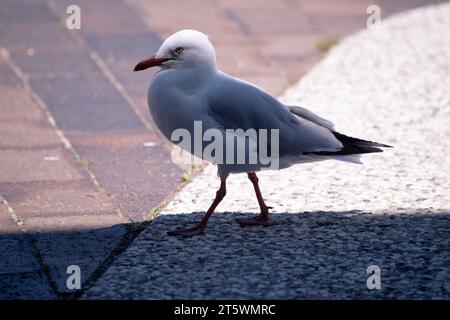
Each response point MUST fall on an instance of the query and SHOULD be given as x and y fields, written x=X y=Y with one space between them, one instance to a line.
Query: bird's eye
x=179 y=50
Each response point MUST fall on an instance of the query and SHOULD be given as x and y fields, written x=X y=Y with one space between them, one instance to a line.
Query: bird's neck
x=189 y=78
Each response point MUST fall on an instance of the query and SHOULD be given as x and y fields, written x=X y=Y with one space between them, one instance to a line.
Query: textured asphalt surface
x=331 y=220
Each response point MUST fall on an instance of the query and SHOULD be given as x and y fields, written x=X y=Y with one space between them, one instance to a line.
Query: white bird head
x=183 y=49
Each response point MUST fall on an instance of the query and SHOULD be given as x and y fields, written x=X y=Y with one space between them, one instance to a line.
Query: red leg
x=198 y=229
x=263 y=217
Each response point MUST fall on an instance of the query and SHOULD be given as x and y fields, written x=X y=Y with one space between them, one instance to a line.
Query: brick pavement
x=73 y=123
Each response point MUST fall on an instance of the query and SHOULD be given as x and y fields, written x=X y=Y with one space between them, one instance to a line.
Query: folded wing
x=236 y=104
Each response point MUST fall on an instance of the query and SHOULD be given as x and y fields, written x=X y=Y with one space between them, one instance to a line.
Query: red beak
x=149 y=62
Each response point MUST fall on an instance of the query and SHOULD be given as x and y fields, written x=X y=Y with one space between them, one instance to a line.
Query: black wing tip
x=377 y=145
x=354 y=146
x=347 y=151
x=359 y=142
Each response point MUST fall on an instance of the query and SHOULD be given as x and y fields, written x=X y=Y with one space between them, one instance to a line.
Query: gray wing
x=236 y=104
x=311 y=116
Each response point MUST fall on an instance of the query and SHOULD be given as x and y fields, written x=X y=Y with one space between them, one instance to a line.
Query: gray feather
x=311 y=116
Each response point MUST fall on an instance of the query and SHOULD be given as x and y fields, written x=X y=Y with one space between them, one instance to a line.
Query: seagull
x=189 y=89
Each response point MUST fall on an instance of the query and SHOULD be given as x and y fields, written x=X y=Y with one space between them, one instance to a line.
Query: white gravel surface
x=331 y=220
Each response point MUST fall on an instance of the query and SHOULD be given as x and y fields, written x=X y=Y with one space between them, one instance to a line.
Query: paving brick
x=120 y=61
x=70 y=64
x=20 y=272
x=16 y=104
x=173 y=12
x=289 y=45
x=7 y=224
x=270 y=22
x=135 y=83
x=339 y=18
x=31 y=165
x=138 y=177
x=333 y=25
x=235 y=59
x=16 y=254
x=293 y=55
x=49 y=199
x=125 y=47
x=28 y=135
x=103 y=17
x=7 y=76
x=25 y=286
x=258 y=4
x=71 y=223
x=50 y=36
x=142 y=105
x=295 y=67
x=94 y=106
x=130 y=140
x=336 y=8
x=389 y=7
x=232 y=36
x=47 y=48
x=169 y=16
x=120 y=54
x=23 y=11
x=126 y=41
x=86 y=248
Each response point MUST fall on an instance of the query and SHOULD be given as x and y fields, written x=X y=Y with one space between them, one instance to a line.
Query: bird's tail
x=353 y=146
